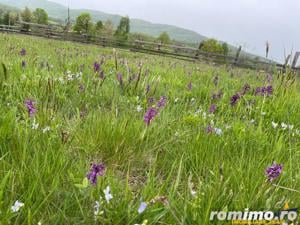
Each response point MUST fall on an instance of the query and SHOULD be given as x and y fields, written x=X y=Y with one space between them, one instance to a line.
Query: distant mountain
x=59 y=12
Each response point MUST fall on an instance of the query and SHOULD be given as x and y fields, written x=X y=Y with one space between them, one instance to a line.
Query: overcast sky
x=249 y=23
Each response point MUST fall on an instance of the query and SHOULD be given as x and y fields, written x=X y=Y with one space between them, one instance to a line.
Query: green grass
x=169 y=158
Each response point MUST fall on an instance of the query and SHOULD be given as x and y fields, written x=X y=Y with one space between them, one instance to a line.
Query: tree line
x=84 y=25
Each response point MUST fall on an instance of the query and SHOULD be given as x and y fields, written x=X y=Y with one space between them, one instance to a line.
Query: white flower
x=39 y=223
x=108 y=195
x=291 y=127
x=263 y=113
x=35 y=125
x=193 y=193
x=176 y=100
x=61 y=80
x=139 y=108
x=46 y=129
x=192 y=100
x=252 y=121
x=142 y=207
x=176 y=134
x=274 y=125
x=284 y=126
x=218 y=131
x=16 y=207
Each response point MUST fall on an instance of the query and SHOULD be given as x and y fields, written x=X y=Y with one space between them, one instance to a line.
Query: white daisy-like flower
x=34 y=125
x=107 y=194
x=16 y=207
x=284 y=126
x=218 y=131
x=139 y=108
x=176 y=100
x=46 y=129
x=274 y=125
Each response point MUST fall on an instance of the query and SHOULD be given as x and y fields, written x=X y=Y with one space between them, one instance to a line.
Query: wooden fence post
x=237 y=55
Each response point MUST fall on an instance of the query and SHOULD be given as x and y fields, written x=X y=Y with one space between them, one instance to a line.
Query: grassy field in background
x=211 y=138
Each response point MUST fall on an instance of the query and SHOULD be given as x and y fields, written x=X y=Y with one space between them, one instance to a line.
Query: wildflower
x=144 y=223
x=209 y=129
x=139 y=108
x=151 y=100
x=23 y=52
x=274 y=171
x=274 y=125
x=264 y=91
x=46 y=129
x=269 y=78
x=234 y=99
x=150 y=114
x=120 y=78
x=107 y=194
x=30 y=104
x=96 y=67
x=23 y=64
x=212 y=108
x=142 y=207
x=190 y=86
x=16 y=207
x=35 y=125
x=218 y=131
x=176 y=100
x=291 y=127
x=246 y=89
x=162 y=102
x=252 y=121
x=147 y=88
x=217 y=96
x=284 y=126
x=95 y=171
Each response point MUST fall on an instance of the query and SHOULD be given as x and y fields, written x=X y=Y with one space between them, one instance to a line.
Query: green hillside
x=139 y=26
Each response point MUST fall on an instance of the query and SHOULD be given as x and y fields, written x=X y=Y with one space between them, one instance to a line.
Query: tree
x=225 y=48
x=40 y=16
x=99 y=25
x=164 y=38
x=26 y=17
x=108 y=28
x=212 y=46
x=10 y=18
x=83 y=23
x=123 y=29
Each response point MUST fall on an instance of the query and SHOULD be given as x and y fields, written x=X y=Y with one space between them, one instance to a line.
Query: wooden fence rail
x=182 y=52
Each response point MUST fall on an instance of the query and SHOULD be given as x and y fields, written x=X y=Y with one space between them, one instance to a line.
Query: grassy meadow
x=205 y=146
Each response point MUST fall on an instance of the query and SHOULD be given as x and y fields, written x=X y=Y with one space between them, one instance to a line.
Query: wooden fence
x=182 y=52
